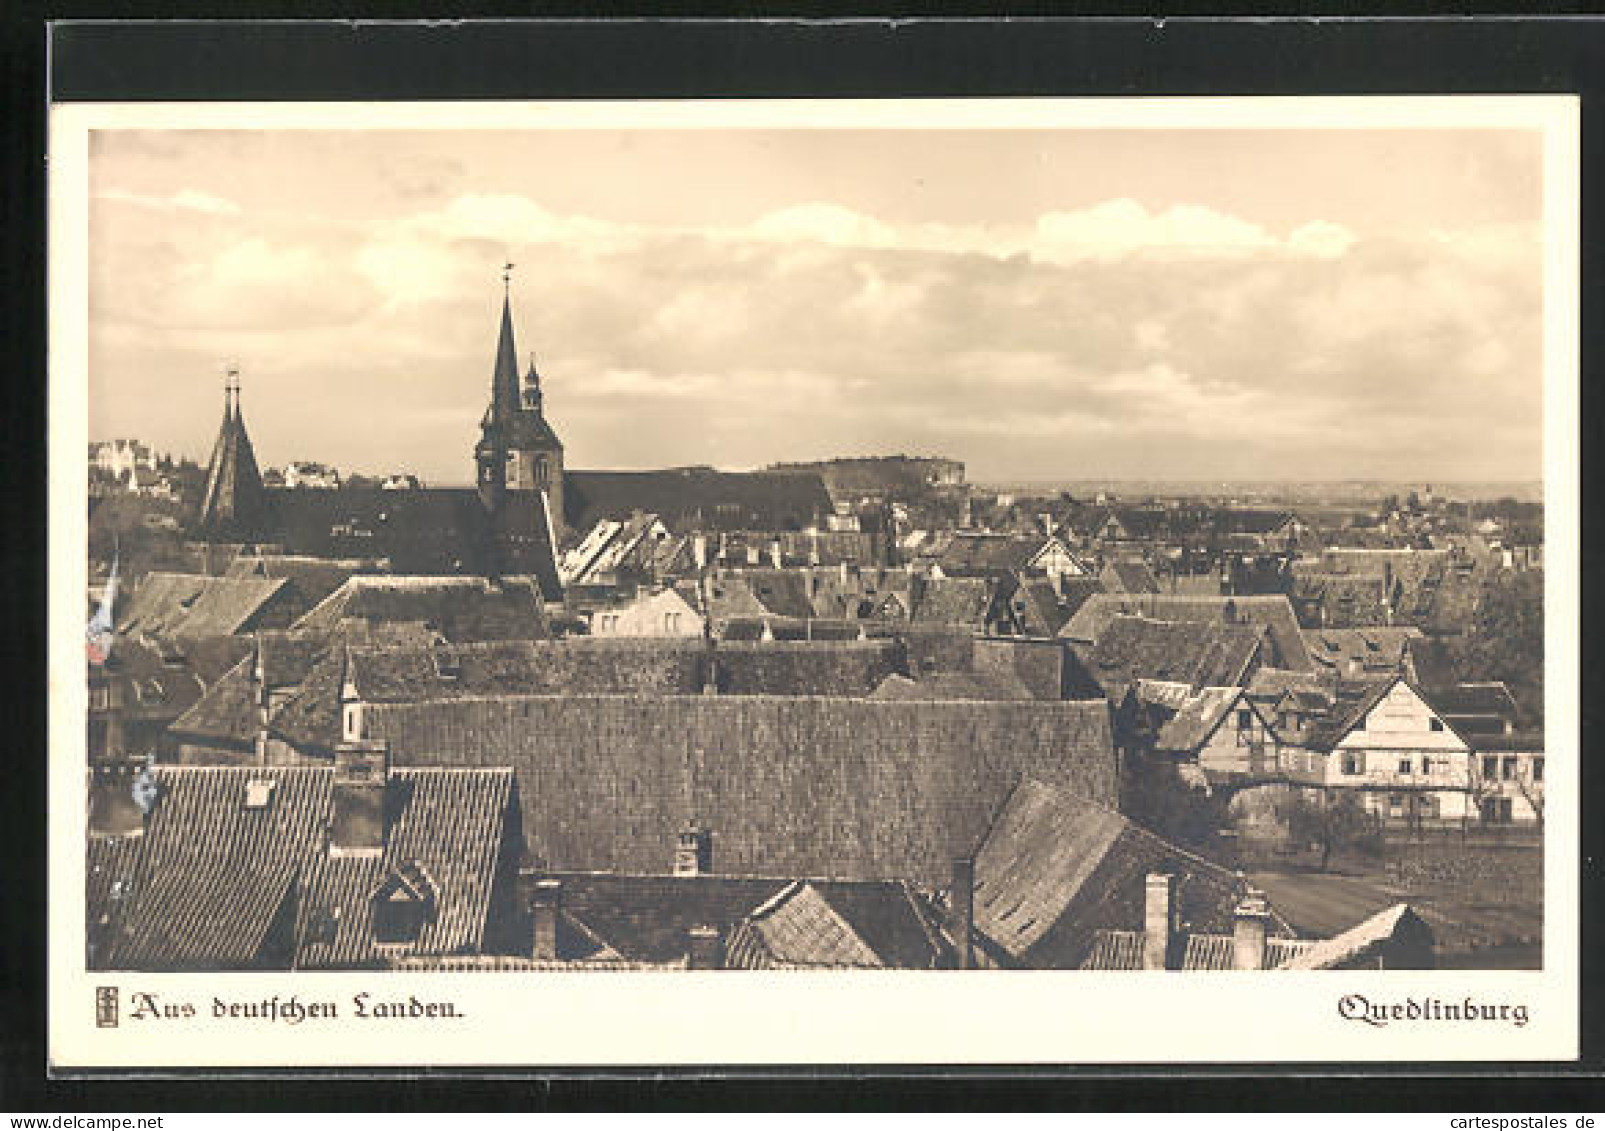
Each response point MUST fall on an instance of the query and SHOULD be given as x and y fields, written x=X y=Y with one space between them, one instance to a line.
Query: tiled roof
x=1196 y=718
x=1131 y=648
x=954 y=685
x=1378 y=650
x=186 y=605
x=798 y=930
x=1056 y=867
x=697 y=498
x=838 y=788
x=1132 y=576
x=313 y=578
x=1484 y=698
x=462 y=609
x=955 y=600
x=227 y=710
x=519 y=964
x=216 y=874
x=450 y=823
x=608 y=666
x=1270 y=684
x=1274 y=612
x=111 y=874
x=428 y=531
x=1352 y=947
x=1115 y=950
x=1520 y=742
x=310 y=718
x=982 y=554
x=232 y=499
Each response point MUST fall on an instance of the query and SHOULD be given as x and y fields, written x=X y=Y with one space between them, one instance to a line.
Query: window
x=1434 y=724
x=1405 y=767
x=1353 y=763
x=1361 y=724
x=1282 y=718
x=1245 y=718
x=353 y=722
x=1426 y=766
x=397 y=918
x=1538 y=769
x=1396 y=804
x=1490 y=767
x=1507 y=768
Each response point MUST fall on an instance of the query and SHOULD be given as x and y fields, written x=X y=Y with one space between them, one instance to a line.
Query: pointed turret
x=234 y=502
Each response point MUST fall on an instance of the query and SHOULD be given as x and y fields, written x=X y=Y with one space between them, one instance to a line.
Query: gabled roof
x=984 y=686
x=1131 y=648
x=1274 y=612
x=216 y=875
x=1484 y=698
x=973 y=553
x=1353 y=946
x=1048 y=605
x=800 y=786
x=436 y=530
x=188 y=604
x=1056 y=867
x=444 y=840
x=1198 y=714
x=1355 y=701
x=1131 y=576
x=461 y=609
x=964 y=601
x=798 y=929
x=1373 y=650
x=699 y=498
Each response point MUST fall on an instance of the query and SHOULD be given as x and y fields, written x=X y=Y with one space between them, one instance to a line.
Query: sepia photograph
x=844 y=540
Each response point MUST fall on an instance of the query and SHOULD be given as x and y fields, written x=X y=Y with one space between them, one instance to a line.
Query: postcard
x=992 y=581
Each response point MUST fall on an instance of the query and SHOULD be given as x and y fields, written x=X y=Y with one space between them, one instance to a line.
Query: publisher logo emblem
x=106 y=1007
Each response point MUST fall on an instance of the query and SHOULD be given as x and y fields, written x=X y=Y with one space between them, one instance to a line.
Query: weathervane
x=507 y=277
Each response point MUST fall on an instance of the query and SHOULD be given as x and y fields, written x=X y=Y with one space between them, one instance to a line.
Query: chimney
x=1228 y=611
x=774 y=552
x=704 y=949
x=545 y=901
x=961 y=901
x=842 y=569
x=1159 y=921
x=693 y=852
x=699 y=550
x=360 y=773
x=1249 y=922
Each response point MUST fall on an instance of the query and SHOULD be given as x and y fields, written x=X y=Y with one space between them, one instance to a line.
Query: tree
x=1154 y=795
x=1332 y=824
x=1506 y=641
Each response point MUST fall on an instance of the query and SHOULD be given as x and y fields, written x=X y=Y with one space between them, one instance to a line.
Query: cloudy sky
x=1040 y=304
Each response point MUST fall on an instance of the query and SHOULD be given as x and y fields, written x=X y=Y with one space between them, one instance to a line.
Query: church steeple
x=234 y=502
x=504 y=381
x=518 y=452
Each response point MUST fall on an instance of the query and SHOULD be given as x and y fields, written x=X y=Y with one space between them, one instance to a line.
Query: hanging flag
x=98 y=639
x=145 y=787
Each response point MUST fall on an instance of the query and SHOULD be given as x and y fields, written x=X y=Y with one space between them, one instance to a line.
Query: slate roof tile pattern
x=803 y=786
x=983 y=554
x=967 y=601
x=1127 y=576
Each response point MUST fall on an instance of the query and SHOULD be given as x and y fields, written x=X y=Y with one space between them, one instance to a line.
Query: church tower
x=234 y=503
x=517 y=451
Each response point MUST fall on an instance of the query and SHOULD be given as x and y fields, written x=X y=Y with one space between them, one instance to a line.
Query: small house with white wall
x=1383 y=740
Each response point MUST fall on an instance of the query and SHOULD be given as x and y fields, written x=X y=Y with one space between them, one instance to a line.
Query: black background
x=779 y=57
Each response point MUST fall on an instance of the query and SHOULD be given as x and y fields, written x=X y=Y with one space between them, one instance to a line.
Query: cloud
x=1121 y=338
x=185 y=200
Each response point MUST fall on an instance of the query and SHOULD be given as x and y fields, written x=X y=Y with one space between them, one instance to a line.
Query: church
x=523 y=508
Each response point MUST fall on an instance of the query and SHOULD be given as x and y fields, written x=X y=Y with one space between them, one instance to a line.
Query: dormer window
x=402 y=903
x=447 y=664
